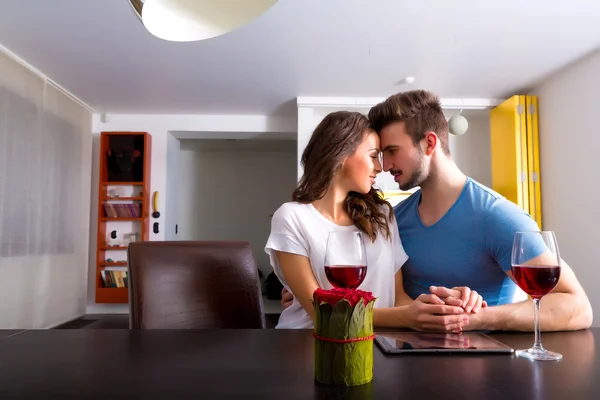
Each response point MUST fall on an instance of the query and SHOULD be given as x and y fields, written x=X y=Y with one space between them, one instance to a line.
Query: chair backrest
x=193 y=285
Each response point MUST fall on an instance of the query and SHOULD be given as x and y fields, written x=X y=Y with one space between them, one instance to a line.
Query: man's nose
x=387 y=164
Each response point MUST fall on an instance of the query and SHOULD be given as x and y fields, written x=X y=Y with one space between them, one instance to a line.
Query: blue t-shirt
x=470 y=245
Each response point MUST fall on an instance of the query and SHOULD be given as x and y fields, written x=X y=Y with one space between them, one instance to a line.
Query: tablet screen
x=401 y=342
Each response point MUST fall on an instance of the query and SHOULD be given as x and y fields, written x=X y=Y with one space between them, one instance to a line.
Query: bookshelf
x=123 y=208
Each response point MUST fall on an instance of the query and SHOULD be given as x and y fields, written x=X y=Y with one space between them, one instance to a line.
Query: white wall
x=569 y=147
x=471 y=151
x=228 y=189
x=160 y=127
x=169 y=201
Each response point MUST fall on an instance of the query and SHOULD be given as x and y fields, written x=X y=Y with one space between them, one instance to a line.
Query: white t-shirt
x=301 y=229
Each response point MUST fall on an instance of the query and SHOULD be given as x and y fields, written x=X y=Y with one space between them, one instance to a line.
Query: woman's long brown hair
x=336 y=138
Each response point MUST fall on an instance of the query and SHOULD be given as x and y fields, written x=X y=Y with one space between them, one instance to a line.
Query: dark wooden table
x=276 y=364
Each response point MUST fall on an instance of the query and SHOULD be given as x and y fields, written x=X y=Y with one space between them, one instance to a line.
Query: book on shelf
x=114 y=277
x=122 y=210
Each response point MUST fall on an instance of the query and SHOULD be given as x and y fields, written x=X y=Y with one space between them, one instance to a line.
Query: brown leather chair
x=193 y=285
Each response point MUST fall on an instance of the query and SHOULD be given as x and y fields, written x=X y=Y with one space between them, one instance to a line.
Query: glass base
x=538 y=354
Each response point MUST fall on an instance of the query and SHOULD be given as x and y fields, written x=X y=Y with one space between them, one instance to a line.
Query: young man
x=457 y=233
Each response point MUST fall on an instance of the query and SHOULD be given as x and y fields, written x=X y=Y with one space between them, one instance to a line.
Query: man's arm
x=565 y=308
x=287 y=299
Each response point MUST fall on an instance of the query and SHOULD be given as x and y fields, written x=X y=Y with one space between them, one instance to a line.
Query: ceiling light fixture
x=137 y=6
x=457 y=124
x=191 y=20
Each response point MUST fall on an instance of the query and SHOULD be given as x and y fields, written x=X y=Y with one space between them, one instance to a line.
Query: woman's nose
x=378 y=166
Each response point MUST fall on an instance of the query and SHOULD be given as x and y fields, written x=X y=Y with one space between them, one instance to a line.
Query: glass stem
x=536 y=321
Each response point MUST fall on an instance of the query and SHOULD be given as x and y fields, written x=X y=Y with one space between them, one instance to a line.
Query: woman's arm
x=402 y=298
x=420 y=314
x=298 y=273
x=394 y=317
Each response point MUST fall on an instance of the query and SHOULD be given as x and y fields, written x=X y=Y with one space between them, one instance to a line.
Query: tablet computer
x=424 y=342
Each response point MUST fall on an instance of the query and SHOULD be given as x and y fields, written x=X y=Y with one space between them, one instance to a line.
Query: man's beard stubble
x=417 y=178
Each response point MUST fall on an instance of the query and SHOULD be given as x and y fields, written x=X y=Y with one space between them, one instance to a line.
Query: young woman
x=336 y=193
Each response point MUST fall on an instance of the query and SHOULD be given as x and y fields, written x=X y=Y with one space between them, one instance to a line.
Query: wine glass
x=536 y=270
x=345 y=259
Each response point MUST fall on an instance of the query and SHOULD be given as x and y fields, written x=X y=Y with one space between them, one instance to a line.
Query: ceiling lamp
x=190 y=20
x=458 y=125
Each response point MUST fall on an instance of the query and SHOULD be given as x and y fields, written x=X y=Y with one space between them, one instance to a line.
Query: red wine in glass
x=536 y=281
x=346 y=276
x=535 y=266
x=345 y=259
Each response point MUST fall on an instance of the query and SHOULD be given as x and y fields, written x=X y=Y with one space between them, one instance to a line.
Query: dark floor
x=121 y=321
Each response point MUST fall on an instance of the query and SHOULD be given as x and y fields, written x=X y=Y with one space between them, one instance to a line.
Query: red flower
x=332 y=296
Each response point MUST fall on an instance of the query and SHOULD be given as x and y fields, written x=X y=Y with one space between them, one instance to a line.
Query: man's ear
x=431 y=141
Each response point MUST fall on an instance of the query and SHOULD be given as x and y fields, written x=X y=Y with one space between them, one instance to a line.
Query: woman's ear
x=340 y=167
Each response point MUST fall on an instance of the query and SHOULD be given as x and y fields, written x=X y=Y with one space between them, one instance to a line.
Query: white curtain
x=45 y=171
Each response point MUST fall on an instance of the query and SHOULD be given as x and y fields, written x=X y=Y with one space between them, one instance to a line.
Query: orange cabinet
x=123 y=208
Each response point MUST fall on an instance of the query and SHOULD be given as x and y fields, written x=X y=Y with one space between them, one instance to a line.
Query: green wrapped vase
x=343 y=336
